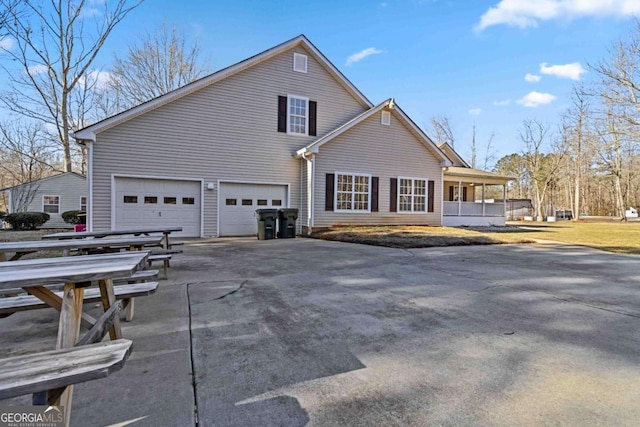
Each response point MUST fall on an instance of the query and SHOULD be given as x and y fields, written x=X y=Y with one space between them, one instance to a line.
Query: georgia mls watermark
x=31 y=416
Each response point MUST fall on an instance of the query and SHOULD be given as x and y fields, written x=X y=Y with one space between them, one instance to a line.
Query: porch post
x=459 y=198
x=483 y=211
x=504 y=199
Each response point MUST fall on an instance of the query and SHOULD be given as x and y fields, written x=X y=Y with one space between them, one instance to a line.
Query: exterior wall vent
x=386 y=118
x=299 y=62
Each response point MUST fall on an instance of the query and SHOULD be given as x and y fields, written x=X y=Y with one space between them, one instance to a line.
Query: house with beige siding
x=284 y=128
x=53 y=195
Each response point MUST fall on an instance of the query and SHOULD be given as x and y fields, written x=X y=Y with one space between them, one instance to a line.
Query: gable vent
x=386 y=118
x=300 y=62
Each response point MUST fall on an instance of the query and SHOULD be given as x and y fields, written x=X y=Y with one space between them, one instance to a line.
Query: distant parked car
x=631 y=213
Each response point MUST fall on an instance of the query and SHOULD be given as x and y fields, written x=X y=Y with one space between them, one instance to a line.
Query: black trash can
x=266 y=223
x=287 y=223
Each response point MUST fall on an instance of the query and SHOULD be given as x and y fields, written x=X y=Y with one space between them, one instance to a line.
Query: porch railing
x=472 y=209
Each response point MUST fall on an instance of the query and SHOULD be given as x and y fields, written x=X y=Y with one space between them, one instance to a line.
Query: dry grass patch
x=620 y=237
x=406 y=237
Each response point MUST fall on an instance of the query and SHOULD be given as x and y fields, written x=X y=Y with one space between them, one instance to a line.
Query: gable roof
x=44 y=179
x=453 y=155
x=89 y=133
x=390 y=105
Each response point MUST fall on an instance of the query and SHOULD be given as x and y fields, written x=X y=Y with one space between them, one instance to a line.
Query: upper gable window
x=386 y=118
x=299 y=62
x=298 y=115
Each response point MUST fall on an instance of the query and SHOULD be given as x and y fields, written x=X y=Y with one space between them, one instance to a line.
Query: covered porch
x=469 y=197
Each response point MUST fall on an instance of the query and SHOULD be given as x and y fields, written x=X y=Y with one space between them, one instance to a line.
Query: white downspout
x=311 y=173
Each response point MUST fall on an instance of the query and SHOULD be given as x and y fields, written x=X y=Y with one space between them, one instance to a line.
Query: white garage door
x=158 y=203
x=238 y=204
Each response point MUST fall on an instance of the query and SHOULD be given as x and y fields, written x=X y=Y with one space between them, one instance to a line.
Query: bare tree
x=54 y=50
x=157 y=64
x=541 y=167
x=620 y=76
x=442 y=132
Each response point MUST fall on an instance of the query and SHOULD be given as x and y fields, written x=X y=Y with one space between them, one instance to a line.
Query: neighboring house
x=53 y=195
x=283 y=128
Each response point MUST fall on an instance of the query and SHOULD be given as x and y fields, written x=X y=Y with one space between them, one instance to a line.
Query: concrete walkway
x=306 y=332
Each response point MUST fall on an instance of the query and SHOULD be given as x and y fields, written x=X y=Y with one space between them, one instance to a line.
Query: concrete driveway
x=307 y=332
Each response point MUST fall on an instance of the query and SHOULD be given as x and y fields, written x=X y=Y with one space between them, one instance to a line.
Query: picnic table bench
x=22 y=248
x=55 y=369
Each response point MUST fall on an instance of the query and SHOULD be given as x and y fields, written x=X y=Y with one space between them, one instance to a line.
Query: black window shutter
x=282 y=113
x=374 y=194
x=328 y=195
x=313 y=112
x=464 y=194
x=393 y=195
x=430 y=196
x=451 y=195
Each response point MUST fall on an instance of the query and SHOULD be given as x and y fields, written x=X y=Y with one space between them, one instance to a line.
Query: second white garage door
x=144 y=203
x=238 y=204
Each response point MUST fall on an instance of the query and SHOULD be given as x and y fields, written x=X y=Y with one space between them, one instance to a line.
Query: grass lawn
x=23 y=236
x=609 y=236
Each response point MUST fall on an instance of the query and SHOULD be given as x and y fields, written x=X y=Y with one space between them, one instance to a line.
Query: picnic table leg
x=53 y=300
x=3 y=257
x=108 y=298
x=68 y=333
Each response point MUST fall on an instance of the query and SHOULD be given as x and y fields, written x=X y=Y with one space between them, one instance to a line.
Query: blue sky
x=463 y=59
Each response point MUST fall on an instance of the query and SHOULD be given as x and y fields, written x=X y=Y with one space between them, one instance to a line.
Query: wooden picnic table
x=166 y=231
x=77 y=273
x=20 y=249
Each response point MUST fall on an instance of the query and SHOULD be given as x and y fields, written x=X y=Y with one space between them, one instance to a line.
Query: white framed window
x=83 y=203
x=299 y=62
x=51 y=204
x=353 y=192
x=412 y=194
x=297 y=115
x=386 y=118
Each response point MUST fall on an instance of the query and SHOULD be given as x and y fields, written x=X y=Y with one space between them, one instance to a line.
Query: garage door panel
x=142 y=202
x=239 y=201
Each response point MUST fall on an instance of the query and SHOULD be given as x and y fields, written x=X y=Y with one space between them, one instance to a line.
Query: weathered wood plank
x=101 y=234
x=68 y=332
x=122 y=292
x=79 y=259
x=32 y=373
x=102 y=325
x=108 y=299
x=57 y=271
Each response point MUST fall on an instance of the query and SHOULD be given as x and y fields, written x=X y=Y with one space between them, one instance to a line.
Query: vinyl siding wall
x=226 y=131
x=68 y=186
x=383 y=151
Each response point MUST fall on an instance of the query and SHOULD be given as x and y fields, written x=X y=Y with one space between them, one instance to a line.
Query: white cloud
x=6 y=43
x=475 y=111
x=359 y=56
x=568 y=71
x=535 y=99
x=532 y=78
x=502 y=103
x=96 y=78
x=528 y=13
x=37 y=69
